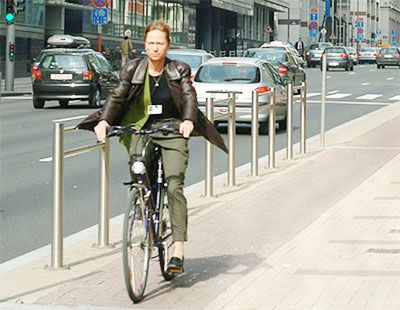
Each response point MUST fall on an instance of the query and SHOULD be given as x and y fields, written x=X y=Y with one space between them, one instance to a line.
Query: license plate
x=334 y=64
x=388 y=56
x=59 y=76
x=223 y=110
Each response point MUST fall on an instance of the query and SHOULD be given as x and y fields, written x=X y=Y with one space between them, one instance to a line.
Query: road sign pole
x=10 y=63
x=99 y=37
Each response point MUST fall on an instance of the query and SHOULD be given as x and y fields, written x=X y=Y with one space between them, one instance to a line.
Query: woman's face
x=156 y=45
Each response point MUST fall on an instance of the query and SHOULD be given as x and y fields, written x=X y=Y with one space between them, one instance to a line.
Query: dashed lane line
x=369 y=96
x=338 y=96
x=395 y=98
x=365 y=84
x=332 y=92
x=390 y=78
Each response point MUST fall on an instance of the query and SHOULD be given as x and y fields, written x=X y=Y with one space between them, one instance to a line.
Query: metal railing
x=289 y=129
x=231 y=102
x=255 y=128
x=59 y=154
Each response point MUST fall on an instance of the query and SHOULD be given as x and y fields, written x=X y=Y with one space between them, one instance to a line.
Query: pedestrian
x=126 y=48
x=299 y=46
x=163 y=83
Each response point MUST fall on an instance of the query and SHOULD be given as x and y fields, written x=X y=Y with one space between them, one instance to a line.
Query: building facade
x=214 y=25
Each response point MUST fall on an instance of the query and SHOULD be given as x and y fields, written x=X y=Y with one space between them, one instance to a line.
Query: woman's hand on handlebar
x=101 y=130
x=186 y=128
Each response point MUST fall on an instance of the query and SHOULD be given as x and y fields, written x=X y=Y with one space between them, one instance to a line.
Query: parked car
x=193 y=57
x=245 y=75
x=283 y=61
x=368 y=54
x=389 y=56
x=72 y=72
x=338 y=57
x=287 y=47
x=353 y=54
x=314 y=52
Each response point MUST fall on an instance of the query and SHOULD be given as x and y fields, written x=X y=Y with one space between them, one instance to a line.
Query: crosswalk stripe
x=396 y=98
x=390 y=78
x=332 y=92
x=365 y=84
x=338 y=96
x=309 y=95
x=369 y=97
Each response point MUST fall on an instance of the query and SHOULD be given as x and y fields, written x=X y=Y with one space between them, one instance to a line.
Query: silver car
x=244 y=75
x=193 y=57
x=368 y=54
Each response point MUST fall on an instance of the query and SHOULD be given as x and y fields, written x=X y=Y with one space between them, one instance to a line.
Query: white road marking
x=371 y=70
x=396 y=98
x=328 y=77
x=338 y=96
x=15 y=97
x=353 y=102
x=352 y=73
x=332 y=92
x=309 y=95
x=390 y=78
x=369 y=96
x=365 y=84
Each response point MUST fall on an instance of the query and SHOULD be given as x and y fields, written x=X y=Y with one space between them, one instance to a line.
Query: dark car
x=284 y=62
x=72 y=72
x=388 y=56
x=338 y=57
x=313 y=53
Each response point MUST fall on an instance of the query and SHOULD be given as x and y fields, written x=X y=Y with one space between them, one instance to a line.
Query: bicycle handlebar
x=118 y=130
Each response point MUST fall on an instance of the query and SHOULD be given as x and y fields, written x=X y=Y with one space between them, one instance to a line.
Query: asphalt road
x=26 y=138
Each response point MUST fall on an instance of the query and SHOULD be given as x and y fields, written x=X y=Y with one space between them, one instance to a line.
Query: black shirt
x=161 y=95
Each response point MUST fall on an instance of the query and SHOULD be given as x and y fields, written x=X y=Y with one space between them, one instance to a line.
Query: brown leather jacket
x=131 y=86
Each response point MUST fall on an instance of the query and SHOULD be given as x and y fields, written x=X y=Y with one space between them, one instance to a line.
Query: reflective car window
x=271 y=55
x=94 y=62
x=335 y=50
x=192 y=60
x=269 y=74
x=105 y=66
x=243 y=74
x=389 y=51
x=63 y=62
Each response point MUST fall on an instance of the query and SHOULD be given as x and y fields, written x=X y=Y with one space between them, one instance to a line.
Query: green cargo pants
x=175 y=155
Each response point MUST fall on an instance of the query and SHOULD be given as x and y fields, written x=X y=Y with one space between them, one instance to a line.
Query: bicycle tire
x=165 y=235
x=135 y=247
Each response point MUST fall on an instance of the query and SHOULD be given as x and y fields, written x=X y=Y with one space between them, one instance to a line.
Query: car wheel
x=95 y=100
x=314 y=66
x=283 y=124
x=383 y=67
x=38 y=103
x=263 y=128
x=347 y=67
x=63 y=103
x=352 y=68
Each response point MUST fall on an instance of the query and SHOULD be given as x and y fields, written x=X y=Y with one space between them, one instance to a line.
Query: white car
x=368 y=54
x=244 y=75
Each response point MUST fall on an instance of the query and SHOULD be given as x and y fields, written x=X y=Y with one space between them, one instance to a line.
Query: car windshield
x=368 y=49
x=63 y=61
x=389 y=51
x=335 y=50
x=192 y=60
x=351 y=49
x=241 y=74
x=271 y=55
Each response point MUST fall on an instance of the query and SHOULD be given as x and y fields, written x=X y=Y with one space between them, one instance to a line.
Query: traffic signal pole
x=10 y=59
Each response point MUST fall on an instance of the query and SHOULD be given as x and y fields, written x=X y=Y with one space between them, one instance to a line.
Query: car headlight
x=138 y=167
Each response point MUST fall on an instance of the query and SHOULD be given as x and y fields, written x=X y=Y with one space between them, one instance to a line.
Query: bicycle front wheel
x=136 y=247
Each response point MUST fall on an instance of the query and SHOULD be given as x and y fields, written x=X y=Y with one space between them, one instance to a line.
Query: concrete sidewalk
x=317 y=232
x=22 y=86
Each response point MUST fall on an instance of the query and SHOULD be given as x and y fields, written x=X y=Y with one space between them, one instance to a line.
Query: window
x=64 y=62
x=242 y=74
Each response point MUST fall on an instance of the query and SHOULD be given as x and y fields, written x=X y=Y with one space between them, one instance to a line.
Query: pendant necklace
x=157 y=80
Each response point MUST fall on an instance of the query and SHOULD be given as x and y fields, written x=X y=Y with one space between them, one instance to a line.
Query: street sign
x=313 y=33
x=100 y=16
x=323 y=31
x=360 y=37
x=313 y=25
x=360 y=24
x=360 y=30
x=314 y=16
x=99 y=3
x=395 y=42
x=314 y=10
x=394 y=32
x=332 y=37
x=378 y=31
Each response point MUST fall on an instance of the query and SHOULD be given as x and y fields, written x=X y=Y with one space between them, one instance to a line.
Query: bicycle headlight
x=138 y=167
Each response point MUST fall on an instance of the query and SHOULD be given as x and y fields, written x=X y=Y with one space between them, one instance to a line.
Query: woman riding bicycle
x=157 y=90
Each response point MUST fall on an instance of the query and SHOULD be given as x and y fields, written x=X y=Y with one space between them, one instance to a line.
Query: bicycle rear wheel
x=136 y=247
x=165 y=234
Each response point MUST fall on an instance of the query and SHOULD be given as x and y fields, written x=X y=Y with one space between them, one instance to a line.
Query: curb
x=14 y=93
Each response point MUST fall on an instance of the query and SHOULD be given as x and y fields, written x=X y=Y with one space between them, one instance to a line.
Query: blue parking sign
x=394 y=32
x=360 y=37
x=100 y=16
x=314 y=16
x=313 y=33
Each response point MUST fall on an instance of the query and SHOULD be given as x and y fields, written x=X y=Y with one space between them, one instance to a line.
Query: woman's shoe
x=175 y=265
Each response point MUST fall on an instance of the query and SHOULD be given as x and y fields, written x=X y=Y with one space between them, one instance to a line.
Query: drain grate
x=384 y=251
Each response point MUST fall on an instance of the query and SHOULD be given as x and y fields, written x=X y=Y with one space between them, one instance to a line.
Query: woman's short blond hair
x=158 y=25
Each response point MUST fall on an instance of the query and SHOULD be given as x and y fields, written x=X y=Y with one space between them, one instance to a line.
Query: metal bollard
x=271 y=129
x=289 y=129
x=58 y=197
x=232 y=138
x=323 y=101
x=209 y=151
x=303 y=118
x=254 y=133
x=104 y=196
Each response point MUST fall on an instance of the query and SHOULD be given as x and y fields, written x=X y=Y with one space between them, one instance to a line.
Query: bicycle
x=146 y=221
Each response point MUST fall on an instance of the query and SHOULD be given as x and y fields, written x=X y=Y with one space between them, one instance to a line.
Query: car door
x=110 y=77
x=277 y=83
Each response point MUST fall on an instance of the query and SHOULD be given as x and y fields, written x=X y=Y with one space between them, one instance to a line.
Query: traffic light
x=19 y=6
x=10 y=13
x=11 y=51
